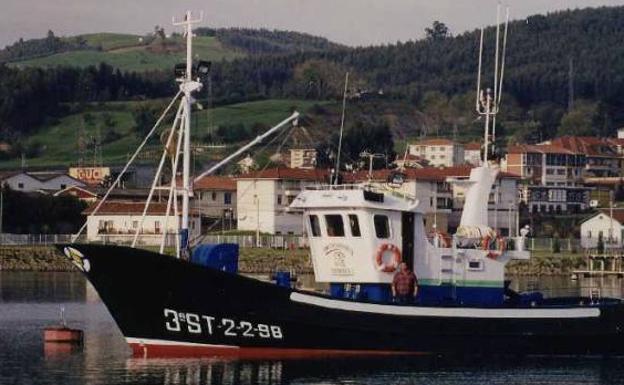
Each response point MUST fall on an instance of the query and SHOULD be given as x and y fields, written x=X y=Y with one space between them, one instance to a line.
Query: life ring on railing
x=440 y=239
x=387 y=267
x=500 y=243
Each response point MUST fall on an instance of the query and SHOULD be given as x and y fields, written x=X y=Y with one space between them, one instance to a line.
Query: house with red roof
x=117 y=222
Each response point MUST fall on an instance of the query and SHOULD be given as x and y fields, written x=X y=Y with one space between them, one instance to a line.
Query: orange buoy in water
x=61 y=333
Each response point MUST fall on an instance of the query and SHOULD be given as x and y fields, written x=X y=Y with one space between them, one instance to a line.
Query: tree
x=438 y=31
x=373 y=137
x=580 y=120
x=144 y=120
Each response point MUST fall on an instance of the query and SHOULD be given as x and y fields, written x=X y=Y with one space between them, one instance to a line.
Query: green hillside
x=108 y=41
x=128 y=54
x=155 y=51
x=57 y=144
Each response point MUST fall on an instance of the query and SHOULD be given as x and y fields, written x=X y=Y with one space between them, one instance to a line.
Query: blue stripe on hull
x=431 y=295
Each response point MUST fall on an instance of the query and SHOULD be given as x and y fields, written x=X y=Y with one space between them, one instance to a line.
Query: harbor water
x=31 y=301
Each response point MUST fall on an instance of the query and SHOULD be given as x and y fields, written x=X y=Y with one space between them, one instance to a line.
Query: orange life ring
x=500 y=242
x=387 y=267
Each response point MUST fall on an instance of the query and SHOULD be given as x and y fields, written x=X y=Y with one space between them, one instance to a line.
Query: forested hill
x=264 y=41
x=428 y=85
x=437 y=72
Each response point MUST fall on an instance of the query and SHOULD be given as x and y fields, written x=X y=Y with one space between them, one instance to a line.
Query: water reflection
x=42 y=286
x=192 y=372
x=380 y=370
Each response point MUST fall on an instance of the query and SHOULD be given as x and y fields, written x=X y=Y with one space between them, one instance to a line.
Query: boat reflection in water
x=185 y=371
x=379 y=370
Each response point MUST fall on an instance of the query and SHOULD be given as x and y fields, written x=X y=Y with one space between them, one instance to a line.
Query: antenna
x=487 y=101
x=342 y=119
x=370 y=157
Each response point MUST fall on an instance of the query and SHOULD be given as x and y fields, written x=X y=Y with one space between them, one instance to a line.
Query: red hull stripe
x=159 y=348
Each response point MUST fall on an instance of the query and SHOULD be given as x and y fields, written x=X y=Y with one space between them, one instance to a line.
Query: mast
x=187 y=86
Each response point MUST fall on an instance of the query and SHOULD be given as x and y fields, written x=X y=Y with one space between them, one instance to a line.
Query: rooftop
x=439 y=174
x=215 y=183
x=128 y=208
x=541 y=149
x=472 y=146
x=318 y=175
x=435 y=142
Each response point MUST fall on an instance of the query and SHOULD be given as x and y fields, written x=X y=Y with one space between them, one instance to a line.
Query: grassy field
x=126 y=53
x=111 y=41
x=58 y=142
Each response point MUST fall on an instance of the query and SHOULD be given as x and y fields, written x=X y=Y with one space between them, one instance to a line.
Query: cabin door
x=407 y=234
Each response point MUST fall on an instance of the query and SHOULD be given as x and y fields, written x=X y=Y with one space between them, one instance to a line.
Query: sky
x=351 y=22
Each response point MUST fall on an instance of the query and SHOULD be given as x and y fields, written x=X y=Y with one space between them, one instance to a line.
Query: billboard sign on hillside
x=90 y=175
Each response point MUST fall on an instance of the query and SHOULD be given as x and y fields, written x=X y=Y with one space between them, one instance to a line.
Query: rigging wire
x=132 y=158
x=342 y=120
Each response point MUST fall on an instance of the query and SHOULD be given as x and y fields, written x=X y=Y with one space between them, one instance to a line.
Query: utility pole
x=257 y=200
x=1 y=207
x=571 y=84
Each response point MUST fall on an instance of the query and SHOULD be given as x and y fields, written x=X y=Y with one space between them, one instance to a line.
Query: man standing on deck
x=404 y=285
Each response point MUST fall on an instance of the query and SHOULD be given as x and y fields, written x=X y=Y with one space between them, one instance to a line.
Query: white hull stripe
x=459 y=312
x=150 y=341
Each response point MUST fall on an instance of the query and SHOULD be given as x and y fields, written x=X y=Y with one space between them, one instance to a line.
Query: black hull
x=166 y=306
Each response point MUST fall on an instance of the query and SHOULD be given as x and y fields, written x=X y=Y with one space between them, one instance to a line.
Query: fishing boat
x=358 y=235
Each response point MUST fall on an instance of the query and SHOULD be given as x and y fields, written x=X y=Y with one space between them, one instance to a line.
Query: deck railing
x=272 y=241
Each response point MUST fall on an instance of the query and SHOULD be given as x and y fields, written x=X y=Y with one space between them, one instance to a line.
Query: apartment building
x=472 y=153
x=552 y=175
x=604 y=156
x=439 y=152
x=214 y=198
x=263 y=199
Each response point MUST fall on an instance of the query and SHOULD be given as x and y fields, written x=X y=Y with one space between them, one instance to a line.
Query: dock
x=601 y=264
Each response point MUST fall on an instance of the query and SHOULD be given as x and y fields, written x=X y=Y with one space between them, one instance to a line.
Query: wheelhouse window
x=335 y=226
x=382 y=226
x=354 y=224
x=315 y=226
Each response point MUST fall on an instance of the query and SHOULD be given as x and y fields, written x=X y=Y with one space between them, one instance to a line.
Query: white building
x=215 y=199
x=605 y=226
x=263 y=199
x=117 y=221
x=439 y=152
x=38 y=181
x=303 y=158
x=472 y=153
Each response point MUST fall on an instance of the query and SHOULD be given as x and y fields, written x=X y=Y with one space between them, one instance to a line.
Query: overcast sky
x=353 y=22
